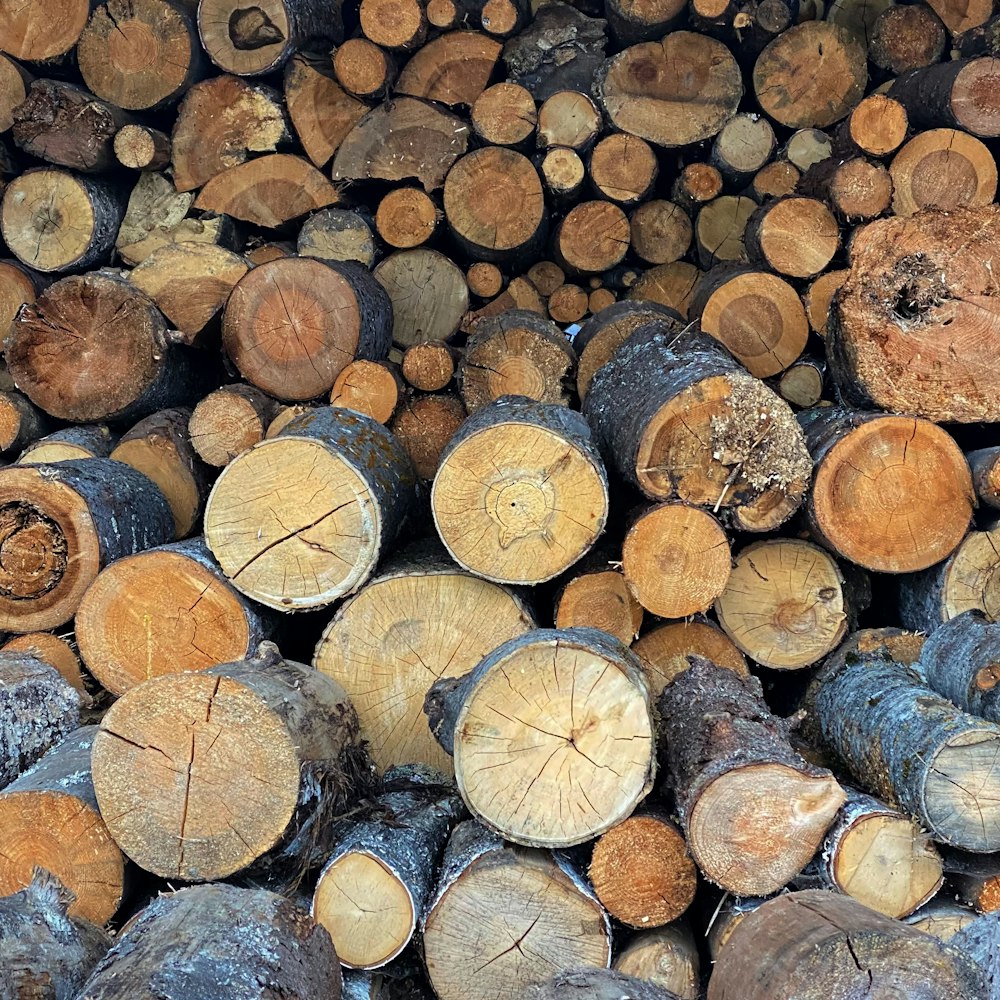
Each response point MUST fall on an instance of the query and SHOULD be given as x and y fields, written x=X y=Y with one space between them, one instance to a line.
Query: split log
x=329 y=493
x=61 y=524
x=20 y=422
x=908 y=470
x=53 y=220
x=285 y=762
x=406 y=217
x=596 y=596
x=424 y=426
x=803 y=382
x=795 y=236
x=93 y=347
x=569 y=119
x=430 y=615
x=941 y=919
x=54 y=650
x=290 y=326
x=905 y=38
x=642 y=872
x=43 y=35
x=87 y=441
x=337 y=234
x=489 y=894
x=960 y=94
x=599 y=984
x=517 y=475
x=727 y=757
x=975 y=878
x=719 y=229
x=810 y=945
x=667 y=957
x=743 y=146
x=429 y=365
x=818 y=298
x=373 y=388
x=453 y=68
x=140 y=147
x=363 y=69
x=228 y=421
x=41 y=944
x=660 y=232
x=985 y=466
x=593 y=236
x=980 y=941
x=246 y=941
x=504 y=115
x=51 y=821
x=14 y=83
x=164 y=611
x=704 y=430
x=670 y=285
x=373 y=891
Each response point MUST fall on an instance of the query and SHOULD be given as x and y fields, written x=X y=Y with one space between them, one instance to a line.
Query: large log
x=959 y=94
x=42 y=34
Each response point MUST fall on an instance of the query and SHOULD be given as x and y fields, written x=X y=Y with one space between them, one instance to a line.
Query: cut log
x=806 y=147
x=704 y=430
x=985 y=466
x=51 y=821
x=424 y=426
x=19 y=285
x=601 y=298
x=941 y=918
x=140 y=147
x=337 y=234
x=454 y=68
x=961 y=94
x=568 y=119
x=429 y=365
x=14 y=83
x=251 y=41
x=228 y=421
x=53 y=220
x=54 y=650
x=696 y=184
x=856 y=189
x=373 y=388
x=596 y=596
x=905 y=38
x=141 y=54
x=642 y=872
x=486 y=280
x=670 y=285
x=907 y=470
x=660 y=232
x=248 y=941
x=623 y=168
x=406 y=217
x=20 y=422
x=93 y=347
x=795 y=236
x=676 y=560
x=599 y=984
x=504 y=115
x=328 y=493
x=803 y=382
x=673 y=92
x=814 y=944
x=777 y=180
x=878 y=125
x=515 y=469
x=568 y=304
x=719 y=229
x=291 y=326
x=363 y=69
x=818 y=298
x=667 y=958
x=563 y=172
x=277 y=737
x=593 y=236
x=40 y=943
x=732 y=910
x=753 y=811
x=61 y=524
x=87 y=441
x=43 y=35
x=516 y=353
x=519 y=294
x=428 y=292
x=374 y=889
x=489 y=894
x=597 y=782
x=743 y=146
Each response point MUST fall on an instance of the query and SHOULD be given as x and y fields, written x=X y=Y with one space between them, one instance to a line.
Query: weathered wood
x=337 y=234
x=941 y=918
x=424 y=425
x=14 y=83
x=598 y=984
x=569 y=119
x=980 y=941
x=54 y=650
x=20 y=422
x=743 y=146
x=140 y=147
x=85 y=441
x=666 y=957
x=719 y=229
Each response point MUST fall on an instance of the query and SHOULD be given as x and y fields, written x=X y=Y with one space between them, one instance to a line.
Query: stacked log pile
x=497 y=499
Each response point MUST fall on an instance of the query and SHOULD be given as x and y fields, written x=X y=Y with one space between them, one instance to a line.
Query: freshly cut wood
x=594 y=236
x=753 y=811
x=424 y=426
x=909 y=746
x=704 y=431
x=20 y=422
x=40 y=943
x=623 y=168
x=51 y=821
x=878 y=125
x=490 y=894
x=93 y=347
x=600 y=984
x=667 y=957
x=906 y=330
x=906 y=469
x=941 y=918
x=329 y=492
x=406 y=217
x=265 y=944
x=601 y=298
x=676 y=560
x=975 y=879
x=486 y=280
x=140 y=147
x=373 y=388
x=53 y=220
x=516 y=353
x=642 y=872
x=800 y=90
x=402 y=139
x=291 y=326
x=254 y=40
x=54 y=650
x=454 y=68
x=856 y=189
x=818 y=298
x=568 y=119
x=364 y=69
x=429 y=365
x=504 y=114
x=803 y=382
x=400 y=25
x=516 y=476
x=14 y=83
x=905 y=38
x=942 y=168
x=596 y=596
x=43 y=34
x=87 y=441
x=695 y=185
x=743 y=146
x=795 y=236
x=985 y=466
x=428 y=292
x=228 y=421
x=812 y=945
x=220 y=123
x=38 y=707
x=670 y=285
x=568 y=304
x=337 y=234
x=719 y=229
x=60 y=525
x=673 y=92
x=776 y=180
x=660 y=231
x=277 y=736
x=961 y=94
x=665 y=651
x=268 y=191
x=373 y=891
x=284 y=416
x=563 y=172
x=140 y=54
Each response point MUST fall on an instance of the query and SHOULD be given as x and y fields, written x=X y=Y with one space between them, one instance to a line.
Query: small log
x=719 y=228
x=363 y=69
x=394 y=26
x=429 y=366
x=61 y=524
x=337 y=234
x=776 y=180
x=642 y=872
x=260 y=943
x=985 y=466
x=814 y=944
x=563 y=172
x=486 y=280
x=514 y=470
x=87 y=441
x=670 y=285
x=140 y=147
x=333 y=519
x=598 y=984
x=726 y=754
x=228 y=421
x=905 y=38
x=980 y=942
x=660 y=231
x=58 y=794
x=373 y=388
x=284 y=416
x=795 y=236
x=807 y=147
x=623 y=168
x=19 y=285
x=743 y=146
x=594 y=236
x=424 y=426
x=283 y=737
x=696 y=185
x=667 y=957
x=959 y=94
x=855 y=189
x=601 y=298
x=596 y=596
x=453 y=68
x=818 y=298
x=803 y=382
x=20 y=422
x=519 y=294
x=406 y=217
x=53 y=220
x=43 y=35
x=941 y=918
x=504 y=115
x=15 y=81
x=54 y=650
x=569 y=119
x=568 y=304
x=878 y=125
x=374 y=889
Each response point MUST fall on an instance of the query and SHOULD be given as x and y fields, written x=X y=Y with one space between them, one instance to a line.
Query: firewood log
x=228 y=421
x=726 y=756
x=598 y=984
x=453 y=68
x=623 y=168
x=429 y=365
x=569 y=119
x=61 y=524
x=807 y=147
x=249 y=942
x=563 y=172
x=666 y=957
x=406 y=218
x=56 y=651
x=20 y=421
x=795 y=236
x=337 y=234
x=941 y=918
x=814 y=944
x=58 y=795
x=905 y=38
x=520 y=293
x=14 y=83
x=593 y=236
x=374 y=388
x=19 y=285
x=424 y=426
x=504 y=114
x=85 y=441
x=631 y=22
x=878 y=125
x=803 y=382
x=957 y=94
x=334 y=516
x=595 y=595
x=490 y=894
x=520 y=493
x=743 y=146
x=818 y=298
x=660 y=231
x=486 y=280
x=670 y=285
x=696 y=185
x=719 y=229
x=363 y=69
x=140 y=147
x=775 y=180
x=44 y=35
x=855 y=189
x=985 y=466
